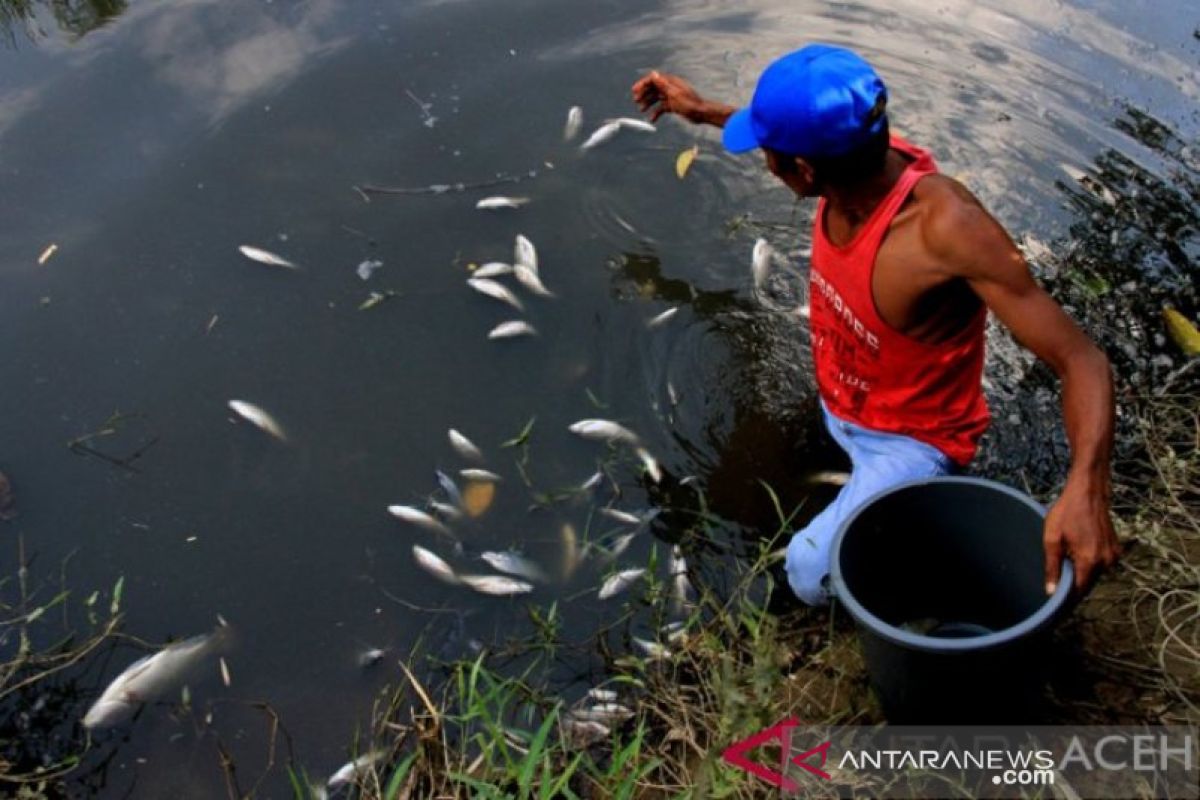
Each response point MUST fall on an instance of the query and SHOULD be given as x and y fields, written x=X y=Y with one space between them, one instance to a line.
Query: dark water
x=149 y=141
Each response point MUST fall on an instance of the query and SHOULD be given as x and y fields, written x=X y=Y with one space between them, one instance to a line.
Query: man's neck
x=856 y=202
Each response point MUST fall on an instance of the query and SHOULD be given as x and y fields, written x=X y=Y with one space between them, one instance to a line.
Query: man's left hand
x=1079 y=527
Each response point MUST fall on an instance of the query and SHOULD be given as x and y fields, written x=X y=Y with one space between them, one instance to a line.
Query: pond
x=148 y=141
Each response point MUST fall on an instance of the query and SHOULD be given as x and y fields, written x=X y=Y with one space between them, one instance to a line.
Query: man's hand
x=660 y=93
x=1079 y=527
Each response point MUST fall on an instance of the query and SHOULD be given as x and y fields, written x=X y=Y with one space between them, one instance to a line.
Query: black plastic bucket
x=945 y=578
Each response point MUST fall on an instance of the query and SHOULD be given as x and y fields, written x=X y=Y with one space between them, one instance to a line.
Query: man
x=905 y=265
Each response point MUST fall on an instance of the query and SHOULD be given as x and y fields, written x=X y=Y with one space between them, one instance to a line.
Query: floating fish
x=149 y=678
x=615 y=584
x=508 y=330
x=574 y=123
x=495 y=290
x=603 y=713
x=650 y=463
x=583 y=733
x=258 y=418
x=225 y=676
x=446 y=511
x=365 y=269
x=681 y=595
x=514 y=564
x=1182 y=331
x=375 y=298
x=603 y=430
x=498 y=585
x=265 y=257
x=464 y=446
x=635 y=124
x=651 y=649
x=370 y=657
x=479 y=475
x=50 y=250
x=352 y=770
x=663 y=317
x=530 y=280
x=449 y=487
x=601 y=135
x=493 y=269
x=434 y=565
x=623 y=517
x=672 y=395
x=478 y=497
x=828 y=476
x=525 y=253
x=416 y=516
x=683 y=162
x=571 y=556
x=602 y=695
x=592 y=482
x=621 y=544
x=8 y=506
x=760 y=262
x=492 y=203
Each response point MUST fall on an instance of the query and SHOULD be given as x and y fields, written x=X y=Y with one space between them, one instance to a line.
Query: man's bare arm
x=970 y=244
x=660 y=93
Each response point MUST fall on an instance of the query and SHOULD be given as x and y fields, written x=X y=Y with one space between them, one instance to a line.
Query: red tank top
x=871 y=374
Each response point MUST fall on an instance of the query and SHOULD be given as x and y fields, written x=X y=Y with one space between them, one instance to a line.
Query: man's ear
x=806 y=171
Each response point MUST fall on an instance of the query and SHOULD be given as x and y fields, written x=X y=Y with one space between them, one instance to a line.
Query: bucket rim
x=1031 y=624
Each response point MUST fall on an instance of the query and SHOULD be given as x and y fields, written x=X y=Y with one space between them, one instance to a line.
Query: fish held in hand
x=615 y=584
x=574 y=123
x=434 y=565
x=603 y=430
x=496 y=291
x=464 y=446
x=601 y=135
x=492 y=203
x=511 y=329
x=498 y=585
x=265 y=257
x=635 y=124
x=258 y=418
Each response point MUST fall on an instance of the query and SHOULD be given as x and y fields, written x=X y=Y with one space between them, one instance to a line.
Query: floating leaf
x=522 y=437
x=118 y=587
x=477 y=497
x=375 y=299
x=1182 y=331
x=684 y=161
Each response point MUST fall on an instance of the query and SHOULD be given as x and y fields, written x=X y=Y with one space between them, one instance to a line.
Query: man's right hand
x=660 y=93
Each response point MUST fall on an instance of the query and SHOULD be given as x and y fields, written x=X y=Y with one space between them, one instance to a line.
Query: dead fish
x=623 y=517
x=492 y=203
x=829 y=476
x=681 y=585
x=352 y=770
x=149 y=678
x=365 y=269
x=635 y=124
x=571 y=556
x=592 y=482
x=8 y=504
x=574 y=123
x=601 y=135
x=531 y=281
x=621 y=544
x=603 y=713
x=415 y=516
x=760 y=262
x=663 y=317
x=603 y=430
x=514 y=563
x=650 y=463
x=258 y=418
x=498 y=585
x=265 y=257
x=583 y=733
x=615 y=584
x=434 y=565
x=464 y=446
x=493 y=269
x=446 y=511
x=508 y=330
x=602 y=695
x=672 y=395
x=226 y=678
x=370 y=657
x=651 y=649
x=525 y=253
x=449 y=487
x=495 y=290
x=481 y=475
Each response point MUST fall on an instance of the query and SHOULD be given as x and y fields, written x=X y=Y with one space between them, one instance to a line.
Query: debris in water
x=492 y=203
x=464 y=446
x=258 y=417
x=478 y=498
x=365 y=269
x=376 y=298
x=684 y=161
x=574 y=123
x=615 y=584
x=265 y=257
x=46 y=254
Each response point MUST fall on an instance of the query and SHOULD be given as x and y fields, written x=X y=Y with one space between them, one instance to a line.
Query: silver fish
x=574 y=123
x=149 y=678
x=495 y=290
x=479 y=475
x=662 y=318
x=464 y=446
x=592 y=482
x=583 y=733
x=416 y=516
x=621 y=544
x=651 y=649
x=531 y=281
x=681 y=586
x=499 y=585
x=265 y=257
x=352 y=770
x=623 y=517
x=615 y=584
x=601 y=135
x=603 y=713
x=258 y=418
x=446 y=511
x=760 y=262
x=828 y=476
x=492 y=203
x=603 y=430
x=434 y=565
x=449 y=487
x=493 y=269
x=650 y=463
x=571 y=556
x=507 y=330
x=525 y=253
x=370 y=657
x=635 y=124
x=514 y=564
x=602 y=695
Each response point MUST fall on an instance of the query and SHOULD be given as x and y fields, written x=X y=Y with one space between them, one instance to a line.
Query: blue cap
x=819 y=101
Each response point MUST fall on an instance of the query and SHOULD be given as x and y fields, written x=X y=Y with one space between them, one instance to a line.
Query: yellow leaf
x=477 y=497
x=684 y=161
x=1182 y=331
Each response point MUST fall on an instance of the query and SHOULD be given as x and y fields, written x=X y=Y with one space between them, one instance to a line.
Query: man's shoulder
x=950 y=219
